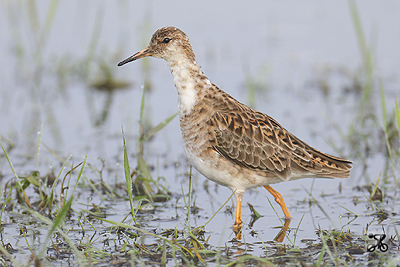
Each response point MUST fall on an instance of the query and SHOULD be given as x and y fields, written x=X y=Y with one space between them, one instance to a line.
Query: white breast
x=185 y=80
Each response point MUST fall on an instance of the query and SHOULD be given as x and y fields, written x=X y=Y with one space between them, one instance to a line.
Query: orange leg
x=238 y=220
x=279 y=199
x=281 y=235
x=237 y=226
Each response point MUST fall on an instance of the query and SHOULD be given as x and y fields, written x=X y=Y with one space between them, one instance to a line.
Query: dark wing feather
x=254 y=140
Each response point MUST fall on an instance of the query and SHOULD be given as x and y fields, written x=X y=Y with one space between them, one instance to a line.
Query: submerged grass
x=89 y=225
x=88 y=237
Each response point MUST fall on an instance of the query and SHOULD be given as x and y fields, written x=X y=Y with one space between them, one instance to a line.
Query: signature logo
x=378 y=244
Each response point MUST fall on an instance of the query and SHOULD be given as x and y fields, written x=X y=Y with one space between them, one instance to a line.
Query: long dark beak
x=144 y=53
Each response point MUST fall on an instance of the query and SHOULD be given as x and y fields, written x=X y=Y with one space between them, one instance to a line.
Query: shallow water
x=290 y=51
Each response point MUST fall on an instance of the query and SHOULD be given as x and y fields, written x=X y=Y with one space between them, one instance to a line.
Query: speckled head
x=169 y=43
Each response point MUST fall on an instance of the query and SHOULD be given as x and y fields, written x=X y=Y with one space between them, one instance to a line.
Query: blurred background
x=327 y=71
x=300 y=63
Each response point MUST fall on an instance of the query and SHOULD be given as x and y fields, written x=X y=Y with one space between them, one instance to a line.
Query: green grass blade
x=59 y=219
x=375 y=187
x=253 y=211
x=189 y=198
x=144 y=176
x=157 y=128
x=128 y=177
x=38 y=147
x=386 y=130
x=384 y=109
x=397 y=112
x=321 y=255
x=20 y=187
x=80 y=174
x=366 y=56
x=297 y=229
x=223 y=205
x=56 y=181
x=355 y=215
x=11 y=166
x=2 y=211
x=141 y=111
x=359 y=31
x=49 y=18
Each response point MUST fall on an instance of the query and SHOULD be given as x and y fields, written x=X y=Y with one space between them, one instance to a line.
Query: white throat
x=186 y=76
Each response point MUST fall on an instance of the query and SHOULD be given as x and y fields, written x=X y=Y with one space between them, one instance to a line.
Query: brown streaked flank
x=227 y=141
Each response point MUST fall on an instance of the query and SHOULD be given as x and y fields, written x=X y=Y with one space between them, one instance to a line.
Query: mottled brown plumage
x=225 y=140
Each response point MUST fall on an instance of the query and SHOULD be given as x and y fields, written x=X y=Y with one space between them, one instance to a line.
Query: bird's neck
x=190 y=82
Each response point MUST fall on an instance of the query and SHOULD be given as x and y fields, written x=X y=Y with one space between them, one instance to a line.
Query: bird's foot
x=237 y=229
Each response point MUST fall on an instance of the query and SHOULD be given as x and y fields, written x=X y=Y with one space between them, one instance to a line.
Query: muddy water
x=302 y=58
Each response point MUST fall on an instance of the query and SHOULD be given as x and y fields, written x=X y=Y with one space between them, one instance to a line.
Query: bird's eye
x=166 y=40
